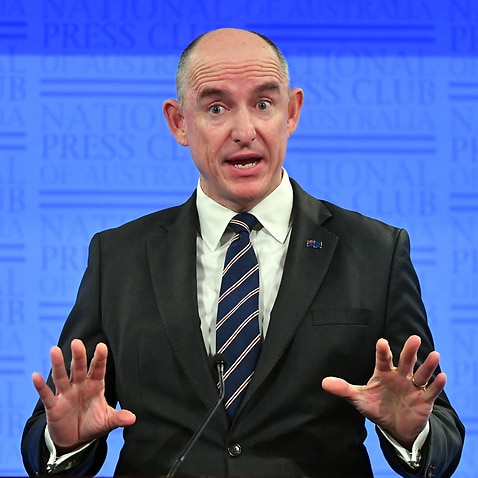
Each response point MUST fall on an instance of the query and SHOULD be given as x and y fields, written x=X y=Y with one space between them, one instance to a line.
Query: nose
x=243 y=130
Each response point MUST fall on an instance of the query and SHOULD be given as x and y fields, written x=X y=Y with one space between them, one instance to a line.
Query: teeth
x=245 y=166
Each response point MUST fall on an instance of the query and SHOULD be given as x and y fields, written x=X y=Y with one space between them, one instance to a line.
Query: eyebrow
x=207 y=92
x=269 y=86
x=211 y=91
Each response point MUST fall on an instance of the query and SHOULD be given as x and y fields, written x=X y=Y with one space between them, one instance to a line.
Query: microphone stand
x=219 y=363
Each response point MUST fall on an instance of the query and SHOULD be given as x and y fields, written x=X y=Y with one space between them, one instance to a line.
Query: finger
x=78 y=368
x=44 y=391
x=408 y=356
x=426 y=370
x=122 y=418
x=58 y=370
x=97 y=369
x=383 y=356
x=436 y=387
x=339 y=387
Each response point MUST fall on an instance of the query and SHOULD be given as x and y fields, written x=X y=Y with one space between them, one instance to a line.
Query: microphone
x=219 y=363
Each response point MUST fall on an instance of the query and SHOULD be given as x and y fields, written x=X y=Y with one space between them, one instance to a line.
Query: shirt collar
x=273 y=212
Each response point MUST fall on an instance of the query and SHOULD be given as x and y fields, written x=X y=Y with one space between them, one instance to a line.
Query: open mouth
x=244 y=165
x=246 y=161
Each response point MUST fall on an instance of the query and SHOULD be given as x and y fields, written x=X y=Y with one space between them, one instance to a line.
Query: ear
x=173 y=113
x=296 y=99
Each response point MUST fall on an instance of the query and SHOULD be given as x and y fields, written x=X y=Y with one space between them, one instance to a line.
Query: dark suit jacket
x=138 y=295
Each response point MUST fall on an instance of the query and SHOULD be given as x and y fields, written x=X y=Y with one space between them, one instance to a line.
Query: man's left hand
x=398 y=399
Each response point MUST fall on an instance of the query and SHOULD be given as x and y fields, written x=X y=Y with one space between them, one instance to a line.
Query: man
x=338 y=296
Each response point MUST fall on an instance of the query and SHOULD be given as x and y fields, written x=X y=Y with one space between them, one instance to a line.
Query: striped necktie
x=237 y=329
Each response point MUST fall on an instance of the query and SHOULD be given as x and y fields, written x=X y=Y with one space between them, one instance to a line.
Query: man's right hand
x=78 y=412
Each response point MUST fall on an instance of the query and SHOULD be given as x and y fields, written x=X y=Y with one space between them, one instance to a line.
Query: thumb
x=122 y=418
x=338 y=386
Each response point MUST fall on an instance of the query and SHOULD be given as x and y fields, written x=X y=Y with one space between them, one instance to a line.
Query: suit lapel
x=304 y=272
x=172 y=259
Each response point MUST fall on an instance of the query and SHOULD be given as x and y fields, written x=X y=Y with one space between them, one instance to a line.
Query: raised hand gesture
x=78 y=411
x=395 y=398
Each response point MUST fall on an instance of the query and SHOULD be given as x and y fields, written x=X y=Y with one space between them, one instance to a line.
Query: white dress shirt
x=270 y=241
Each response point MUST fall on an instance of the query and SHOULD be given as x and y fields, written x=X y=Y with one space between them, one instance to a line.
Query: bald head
x=235 y=113
x=226 y=43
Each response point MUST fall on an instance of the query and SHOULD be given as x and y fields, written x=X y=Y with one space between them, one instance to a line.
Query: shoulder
x=346 y=224
x=342 y=218
x=143 y=227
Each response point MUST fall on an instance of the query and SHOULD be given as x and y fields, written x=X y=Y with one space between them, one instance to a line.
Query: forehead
x=230 y=64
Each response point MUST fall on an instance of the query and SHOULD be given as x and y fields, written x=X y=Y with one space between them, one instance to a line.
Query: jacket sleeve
x=406 y=316
x=84 y=322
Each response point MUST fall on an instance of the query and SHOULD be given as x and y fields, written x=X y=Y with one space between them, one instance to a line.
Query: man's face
x=236 y=117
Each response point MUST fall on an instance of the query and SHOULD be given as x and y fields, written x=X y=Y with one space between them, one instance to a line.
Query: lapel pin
x=313 y=243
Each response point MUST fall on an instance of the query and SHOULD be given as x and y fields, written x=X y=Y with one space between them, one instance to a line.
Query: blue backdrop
x=389 y=128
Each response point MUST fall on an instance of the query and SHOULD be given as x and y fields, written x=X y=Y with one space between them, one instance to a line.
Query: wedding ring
x=423 y=387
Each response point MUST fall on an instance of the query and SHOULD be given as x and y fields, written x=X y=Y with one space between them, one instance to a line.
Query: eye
x=263 y=105
x=216 y=109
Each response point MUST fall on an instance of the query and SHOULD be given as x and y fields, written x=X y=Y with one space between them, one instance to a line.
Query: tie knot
x=243 y=222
